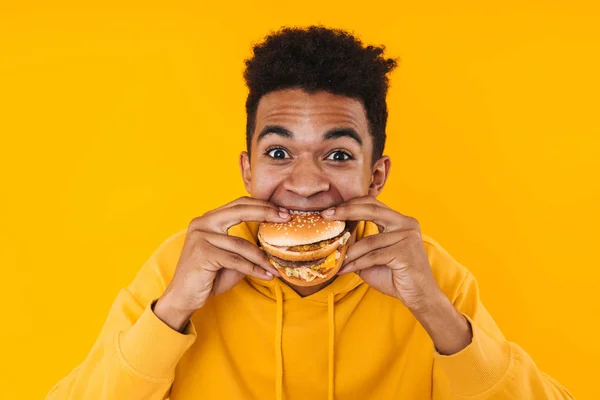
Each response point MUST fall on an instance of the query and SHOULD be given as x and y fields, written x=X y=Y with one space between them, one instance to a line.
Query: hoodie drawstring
x=331 y=315
x=278 y=344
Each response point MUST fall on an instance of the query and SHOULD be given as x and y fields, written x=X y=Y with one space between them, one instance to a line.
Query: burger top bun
x=304 y=227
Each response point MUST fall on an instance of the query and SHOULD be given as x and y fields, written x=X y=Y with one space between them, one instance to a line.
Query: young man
x=208 y=316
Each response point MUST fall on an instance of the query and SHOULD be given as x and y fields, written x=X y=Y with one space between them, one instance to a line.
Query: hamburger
x=306 y=250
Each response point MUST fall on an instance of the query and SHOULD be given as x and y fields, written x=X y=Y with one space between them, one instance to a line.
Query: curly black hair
x=317 y=58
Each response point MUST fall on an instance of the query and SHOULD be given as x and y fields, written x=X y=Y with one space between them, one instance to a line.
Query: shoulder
x=448 y=272
x=159 y=268
x=167 y=254
x=173 y=243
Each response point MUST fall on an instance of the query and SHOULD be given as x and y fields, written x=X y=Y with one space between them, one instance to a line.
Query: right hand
x=212 y=262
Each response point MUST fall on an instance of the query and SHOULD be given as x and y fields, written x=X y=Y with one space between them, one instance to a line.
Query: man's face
x=311 y=151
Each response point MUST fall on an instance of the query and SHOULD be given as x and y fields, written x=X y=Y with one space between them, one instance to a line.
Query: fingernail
x=283 y=209
x=329 y=211
x=283 y=214
x=342 y=270
x=346 y=257
x=270 y=275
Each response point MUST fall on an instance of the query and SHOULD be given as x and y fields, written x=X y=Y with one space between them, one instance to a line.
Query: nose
x=306 y=179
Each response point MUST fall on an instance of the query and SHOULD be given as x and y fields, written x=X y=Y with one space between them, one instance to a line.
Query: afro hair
x=315 y=59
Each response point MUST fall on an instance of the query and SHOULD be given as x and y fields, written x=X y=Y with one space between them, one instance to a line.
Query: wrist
x=449 y=330
x=426 y=301
x=167 y=311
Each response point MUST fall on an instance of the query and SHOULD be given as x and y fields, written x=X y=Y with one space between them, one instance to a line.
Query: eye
x=339 y=155
x=277 y=153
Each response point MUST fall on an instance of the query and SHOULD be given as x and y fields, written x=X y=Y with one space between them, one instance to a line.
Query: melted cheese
x=329 y=261
x=315 y=271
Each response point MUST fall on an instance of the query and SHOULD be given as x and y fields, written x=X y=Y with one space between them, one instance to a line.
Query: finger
x=252 y=200
x=242 y=247
x=225 y=280
x=230 y=260
x=371 y=243
x=198 y=222
x=384 y=217
x=364 y=200
x=221 y=220
x=383 y=256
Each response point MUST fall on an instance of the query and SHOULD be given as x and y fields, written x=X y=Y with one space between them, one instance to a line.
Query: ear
x=379 y=175
x=246 y=171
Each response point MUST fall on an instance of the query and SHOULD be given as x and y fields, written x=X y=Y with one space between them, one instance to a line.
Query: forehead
x=295 y=108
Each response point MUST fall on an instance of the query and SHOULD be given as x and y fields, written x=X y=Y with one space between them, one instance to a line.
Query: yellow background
x=120 y=122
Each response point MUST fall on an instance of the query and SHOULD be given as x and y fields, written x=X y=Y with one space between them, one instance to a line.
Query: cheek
x=351 y=185
x=265 y=181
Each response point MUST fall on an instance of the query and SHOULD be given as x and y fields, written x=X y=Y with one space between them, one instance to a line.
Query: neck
x=307 y=291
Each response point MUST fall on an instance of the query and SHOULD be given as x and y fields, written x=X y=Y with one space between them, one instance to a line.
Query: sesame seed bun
x=302 y=228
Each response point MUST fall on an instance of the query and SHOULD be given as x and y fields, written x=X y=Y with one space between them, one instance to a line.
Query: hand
x=211 y=262
x=393 y=261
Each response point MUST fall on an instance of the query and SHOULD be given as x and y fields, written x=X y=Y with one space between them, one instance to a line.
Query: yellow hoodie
x=261 y=340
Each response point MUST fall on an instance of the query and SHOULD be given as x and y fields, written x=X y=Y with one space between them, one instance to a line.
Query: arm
x=139 y=346
x=444 y=297
x=488 y=367
x=129 y=359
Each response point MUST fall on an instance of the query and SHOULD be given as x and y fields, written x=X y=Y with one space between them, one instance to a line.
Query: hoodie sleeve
x=135 y=354
x=490 y=367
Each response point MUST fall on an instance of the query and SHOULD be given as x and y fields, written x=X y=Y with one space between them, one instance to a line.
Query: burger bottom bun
x=296 y=281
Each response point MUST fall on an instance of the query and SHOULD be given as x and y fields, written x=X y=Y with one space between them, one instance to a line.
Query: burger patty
x=296 y=264
x=314 y=246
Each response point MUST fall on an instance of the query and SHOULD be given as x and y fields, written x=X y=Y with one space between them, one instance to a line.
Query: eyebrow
x=343 y=132
x=329 y=135
x=274 y=130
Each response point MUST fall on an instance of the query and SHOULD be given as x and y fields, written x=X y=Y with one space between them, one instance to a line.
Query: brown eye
x=277 y=153
x=339 y=155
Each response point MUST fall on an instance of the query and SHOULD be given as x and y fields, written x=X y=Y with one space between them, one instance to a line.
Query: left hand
x=393 y=261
